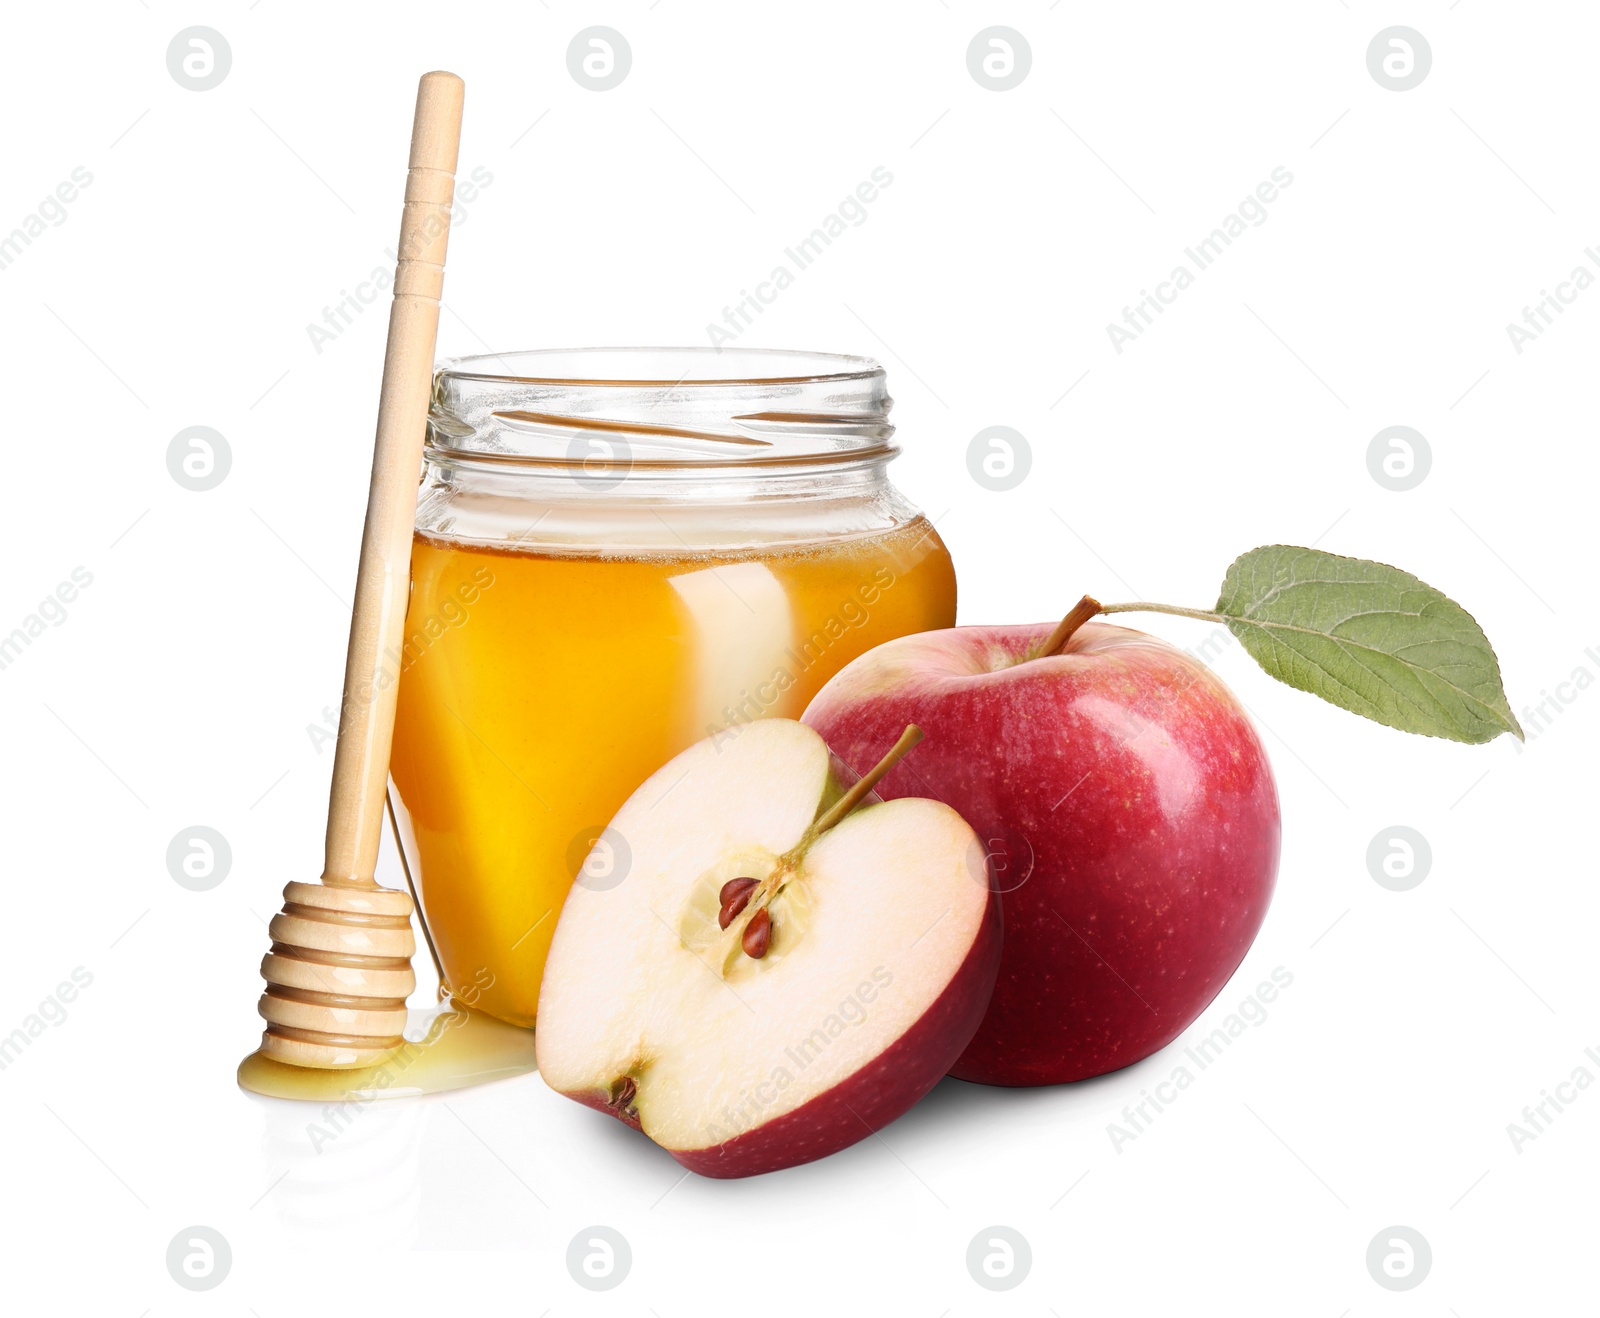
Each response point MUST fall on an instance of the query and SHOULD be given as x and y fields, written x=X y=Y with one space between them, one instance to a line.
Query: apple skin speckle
x=1129 y=803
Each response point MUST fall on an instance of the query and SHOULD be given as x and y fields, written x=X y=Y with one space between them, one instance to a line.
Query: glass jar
x=619 y=552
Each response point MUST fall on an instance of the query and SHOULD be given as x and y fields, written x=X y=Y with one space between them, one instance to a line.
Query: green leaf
x=1369 y=638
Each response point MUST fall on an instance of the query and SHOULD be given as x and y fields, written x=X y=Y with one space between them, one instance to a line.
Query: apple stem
x=1089 y=606
x=851 y=799
x=1141 y=607
x=1082 y=611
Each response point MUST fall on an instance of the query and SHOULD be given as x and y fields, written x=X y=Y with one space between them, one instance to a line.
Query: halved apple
x=746 y=1027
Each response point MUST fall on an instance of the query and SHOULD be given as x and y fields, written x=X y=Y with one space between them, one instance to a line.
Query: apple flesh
x=884 y=944
x=1129 y=810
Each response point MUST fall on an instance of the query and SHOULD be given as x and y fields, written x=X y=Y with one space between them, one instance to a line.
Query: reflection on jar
x=619 y=552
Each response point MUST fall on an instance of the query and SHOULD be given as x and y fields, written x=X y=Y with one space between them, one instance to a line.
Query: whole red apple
x=1127 y=805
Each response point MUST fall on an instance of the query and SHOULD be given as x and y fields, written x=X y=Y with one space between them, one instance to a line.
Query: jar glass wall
x=619 y=552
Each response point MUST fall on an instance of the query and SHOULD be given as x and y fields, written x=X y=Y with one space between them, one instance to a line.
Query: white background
x=179 y=688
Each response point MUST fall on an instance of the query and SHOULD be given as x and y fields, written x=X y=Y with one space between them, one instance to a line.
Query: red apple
x=754 y=972
x=1128 y=808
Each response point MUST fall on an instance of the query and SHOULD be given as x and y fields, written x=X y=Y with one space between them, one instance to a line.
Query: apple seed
x=735 y=896
x=757 y=935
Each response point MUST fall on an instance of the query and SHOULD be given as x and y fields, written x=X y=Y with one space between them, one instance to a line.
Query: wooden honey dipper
x=339 y=971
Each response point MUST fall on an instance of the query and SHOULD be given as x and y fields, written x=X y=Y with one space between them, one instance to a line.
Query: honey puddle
x=448 y=1047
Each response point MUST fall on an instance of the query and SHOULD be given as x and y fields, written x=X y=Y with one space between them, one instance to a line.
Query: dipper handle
x=339 y=970
x=372 y=665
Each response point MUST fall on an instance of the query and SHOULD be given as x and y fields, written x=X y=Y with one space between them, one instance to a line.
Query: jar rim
x=651 y=369
x=690 y=409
